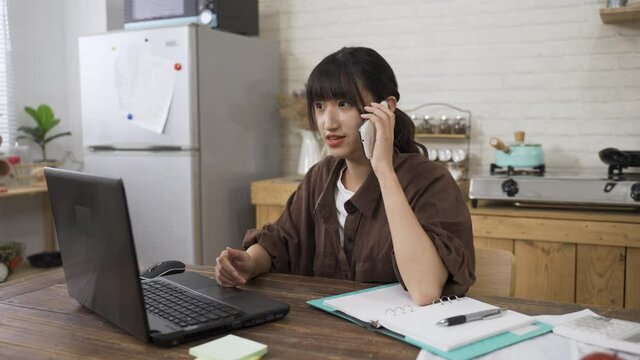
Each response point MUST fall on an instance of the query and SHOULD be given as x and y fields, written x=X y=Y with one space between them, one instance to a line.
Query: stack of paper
x=229 y=347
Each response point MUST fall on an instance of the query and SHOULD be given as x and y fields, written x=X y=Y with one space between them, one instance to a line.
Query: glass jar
x=445 y=126
x=460 y=125
x=426 y=123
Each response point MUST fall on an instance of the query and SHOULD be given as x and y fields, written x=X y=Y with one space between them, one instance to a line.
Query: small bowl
x=458 y=155
x=45 y=259
x=444 y=155
x=433 y=154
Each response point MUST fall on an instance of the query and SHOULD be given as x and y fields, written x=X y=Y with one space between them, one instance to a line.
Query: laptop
x=101 y=268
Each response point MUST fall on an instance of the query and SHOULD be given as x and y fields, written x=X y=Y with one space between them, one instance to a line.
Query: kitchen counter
x=583 y=256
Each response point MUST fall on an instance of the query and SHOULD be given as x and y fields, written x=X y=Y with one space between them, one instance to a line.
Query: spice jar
x=445 y=127
x=419 y=124
x=426 y=123
x=460 y=125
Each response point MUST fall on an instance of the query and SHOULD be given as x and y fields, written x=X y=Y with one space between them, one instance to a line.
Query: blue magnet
x=129 y=117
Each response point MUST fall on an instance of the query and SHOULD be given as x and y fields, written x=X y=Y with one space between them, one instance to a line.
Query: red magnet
x=177 y=66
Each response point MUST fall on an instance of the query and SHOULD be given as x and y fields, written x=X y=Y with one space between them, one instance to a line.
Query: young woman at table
x=396 y=216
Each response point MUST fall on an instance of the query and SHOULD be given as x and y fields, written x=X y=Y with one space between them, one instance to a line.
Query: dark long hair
x=345 y=74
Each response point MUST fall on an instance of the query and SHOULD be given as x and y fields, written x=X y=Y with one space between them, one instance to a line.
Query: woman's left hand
x=384 y=120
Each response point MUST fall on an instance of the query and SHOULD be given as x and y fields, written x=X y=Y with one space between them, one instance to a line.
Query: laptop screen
x=97 y=248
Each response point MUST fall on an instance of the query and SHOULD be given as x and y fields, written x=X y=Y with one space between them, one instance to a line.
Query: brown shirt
x=305 y=239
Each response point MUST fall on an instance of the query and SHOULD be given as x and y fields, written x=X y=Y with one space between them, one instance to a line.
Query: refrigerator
x=187 y=116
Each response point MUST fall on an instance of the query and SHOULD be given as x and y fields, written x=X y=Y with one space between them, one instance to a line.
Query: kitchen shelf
x=440 y=136
x=436 y=143
x=621 y=14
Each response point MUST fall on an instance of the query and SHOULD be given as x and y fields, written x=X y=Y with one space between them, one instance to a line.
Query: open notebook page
x=421 y=324
x=371 y=305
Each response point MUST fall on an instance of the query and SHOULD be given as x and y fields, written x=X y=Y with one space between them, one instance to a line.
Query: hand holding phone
x=368 y=135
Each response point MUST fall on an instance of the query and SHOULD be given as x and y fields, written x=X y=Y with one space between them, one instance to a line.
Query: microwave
x=237 y=16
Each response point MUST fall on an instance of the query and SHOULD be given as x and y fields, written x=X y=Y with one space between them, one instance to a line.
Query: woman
x=394 y=217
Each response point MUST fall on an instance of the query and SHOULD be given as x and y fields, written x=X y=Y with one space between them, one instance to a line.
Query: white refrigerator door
x=163 y=198
x=110 y=68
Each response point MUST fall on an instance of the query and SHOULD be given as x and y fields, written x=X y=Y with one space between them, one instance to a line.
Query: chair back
x=495 y=273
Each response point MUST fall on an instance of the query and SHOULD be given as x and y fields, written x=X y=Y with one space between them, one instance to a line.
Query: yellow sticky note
x=256 y=357
x=229 y=347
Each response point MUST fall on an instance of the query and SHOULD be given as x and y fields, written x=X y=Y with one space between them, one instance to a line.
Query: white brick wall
x=550 y=68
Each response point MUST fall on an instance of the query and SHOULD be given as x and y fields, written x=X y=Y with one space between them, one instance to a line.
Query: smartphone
x=368 y=135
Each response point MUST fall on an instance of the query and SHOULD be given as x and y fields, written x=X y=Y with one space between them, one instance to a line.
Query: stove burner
x=618 y=161
x=510 y=170
x=616 y=173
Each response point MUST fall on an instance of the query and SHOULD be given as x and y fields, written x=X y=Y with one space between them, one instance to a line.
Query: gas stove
x=615 y=189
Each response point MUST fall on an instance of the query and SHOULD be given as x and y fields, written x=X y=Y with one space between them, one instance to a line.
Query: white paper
x=371 y=305
x=547 y=346
x=145 y=85
x=421 y=325
x=125 y=67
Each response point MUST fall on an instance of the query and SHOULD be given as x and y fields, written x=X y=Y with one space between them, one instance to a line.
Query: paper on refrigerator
x=145 y=85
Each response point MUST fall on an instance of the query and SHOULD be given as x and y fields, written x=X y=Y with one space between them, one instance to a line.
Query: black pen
x=480 y=315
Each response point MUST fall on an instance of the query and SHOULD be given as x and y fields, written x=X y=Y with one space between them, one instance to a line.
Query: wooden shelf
x=621 y=14
x=441 y=136
x=24 y=190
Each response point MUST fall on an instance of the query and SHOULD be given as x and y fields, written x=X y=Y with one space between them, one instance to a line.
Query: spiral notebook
x=389 y=309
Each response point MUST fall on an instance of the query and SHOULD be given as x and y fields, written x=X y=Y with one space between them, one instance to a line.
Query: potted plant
x=45 y=121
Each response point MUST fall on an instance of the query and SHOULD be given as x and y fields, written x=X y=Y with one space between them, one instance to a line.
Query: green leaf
x=47 y=119
x=20 y=137
x=33 y=131
x=66 y=133
x=31 y=111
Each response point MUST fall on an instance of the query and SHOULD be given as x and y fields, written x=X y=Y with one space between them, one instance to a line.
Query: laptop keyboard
x=181 y=307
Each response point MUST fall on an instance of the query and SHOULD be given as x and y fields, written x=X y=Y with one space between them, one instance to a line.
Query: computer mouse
x=168 y=267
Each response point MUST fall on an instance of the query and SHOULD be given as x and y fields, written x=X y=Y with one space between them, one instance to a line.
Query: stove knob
x=510 y=187
x=635 y=191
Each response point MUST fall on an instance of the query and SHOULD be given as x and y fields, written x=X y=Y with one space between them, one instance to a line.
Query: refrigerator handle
x=164 y=148
x=102 y=148
x=156 y=148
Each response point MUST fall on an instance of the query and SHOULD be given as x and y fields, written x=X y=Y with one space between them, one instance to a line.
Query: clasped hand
x=233 y=267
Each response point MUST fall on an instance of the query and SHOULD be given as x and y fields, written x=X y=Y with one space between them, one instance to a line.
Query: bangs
x=333 y=81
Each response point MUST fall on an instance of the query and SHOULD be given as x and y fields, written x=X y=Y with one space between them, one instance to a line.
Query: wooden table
x=35 y=190
x=39 y=320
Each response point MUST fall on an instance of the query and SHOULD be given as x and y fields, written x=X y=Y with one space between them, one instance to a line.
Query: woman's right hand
x=234 y=267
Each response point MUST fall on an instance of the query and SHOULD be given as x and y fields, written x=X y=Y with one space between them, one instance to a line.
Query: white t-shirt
x=342 y=195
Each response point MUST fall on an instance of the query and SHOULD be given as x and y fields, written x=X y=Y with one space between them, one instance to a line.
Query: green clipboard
x=478 y=348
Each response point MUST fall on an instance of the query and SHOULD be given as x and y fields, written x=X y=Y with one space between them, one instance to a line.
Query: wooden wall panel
x=545 y=270
x=632 y=283
x=489 y=243
x=600 y=275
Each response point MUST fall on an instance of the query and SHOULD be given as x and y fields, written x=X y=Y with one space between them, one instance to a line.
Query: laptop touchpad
x=203 y=285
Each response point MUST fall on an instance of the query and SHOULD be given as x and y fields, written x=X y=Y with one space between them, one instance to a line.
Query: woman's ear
x=392 y=102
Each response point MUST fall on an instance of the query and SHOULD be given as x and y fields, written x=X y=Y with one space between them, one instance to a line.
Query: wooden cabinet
x=270 y=196
x=588 y=257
